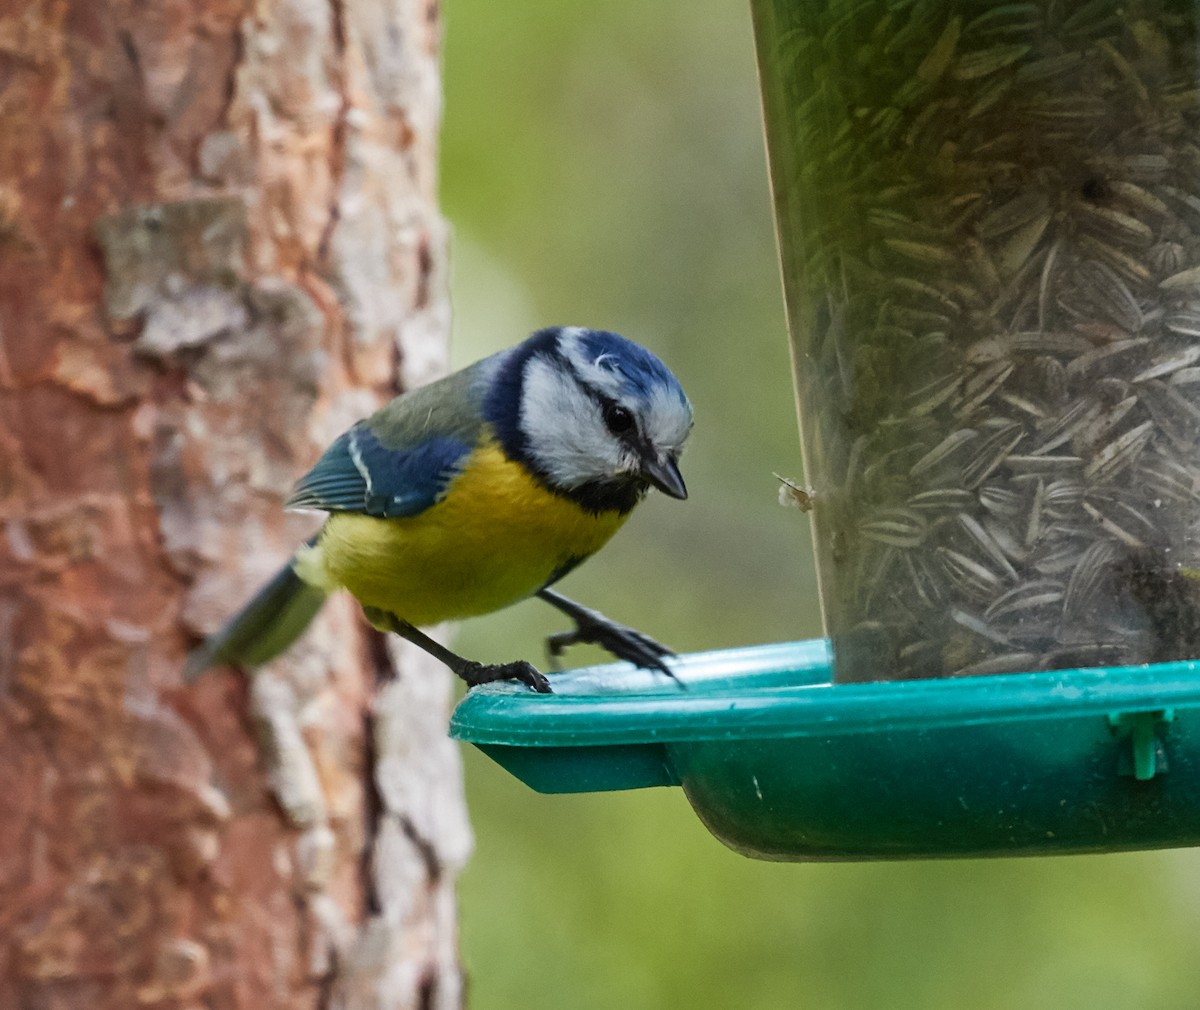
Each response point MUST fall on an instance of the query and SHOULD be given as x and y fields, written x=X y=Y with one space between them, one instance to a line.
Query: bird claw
x=488 y=673
x=471 y=671
x=593 y=628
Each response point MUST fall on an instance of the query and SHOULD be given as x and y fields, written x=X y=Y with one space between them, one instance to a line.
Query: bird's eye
x=619 y=419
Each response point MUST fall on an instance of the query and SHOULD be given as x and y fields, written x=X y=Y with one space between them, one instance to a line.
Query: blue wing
x=359 y=474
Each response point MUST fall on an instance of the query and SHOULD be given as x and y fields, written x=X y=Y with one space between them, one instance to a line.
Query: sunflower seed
x=896 y=527
x=1125 y=265
x=1166 y=364
x=1100 y=422
x=1166 y=257
x=1111 y=527
x=983 y=62
x=1049 y=67
x=986 y=543
x=1018 y=250
x=1185 y=201
x=938 y=58
x=954 y=446
x=1090 y=578
x=989 y=96
x=1174 y=413
x=1189 y=278
x=1169 y=479
x=1006 y=539
x=1062 y=428
x=979 y=387
x=1125 y=69
x=1042 y=464
x=1138 y=201
x=1028 y=596
x=1011 y=215
x=1058 y=558
x=909 y=285
x=1185 y=322
x=875 y=573
x=946 y=499
x=1062 y=497
x=1033 y=523
x=1118 y=453
x=1105 y=288
x=1047 y=342
x=1112 y=357
x=1185 y=378
x=990 y=451
x=1088 y=18
x=1132 y=512
x=971 y=577
x=1064 y=110
x=925 y=253
x=1001 y=500
x=1113 y=224
x=1048 y=379
x=1006 y=662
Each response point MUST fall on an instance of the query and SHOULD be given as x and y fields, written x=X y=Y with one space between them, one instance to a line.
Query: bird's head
x=592 y=415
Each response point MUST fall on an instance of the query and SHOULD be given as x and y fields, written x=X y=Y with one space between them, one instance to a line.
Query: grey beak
x=664 y=474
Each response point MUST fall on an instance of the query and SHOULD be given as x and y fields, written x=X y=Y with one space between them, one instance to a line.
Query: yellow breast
x=495 y=538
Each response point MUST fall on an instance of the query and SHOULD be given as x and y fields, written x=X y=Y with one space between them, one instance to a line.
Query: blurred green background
x=603 y=165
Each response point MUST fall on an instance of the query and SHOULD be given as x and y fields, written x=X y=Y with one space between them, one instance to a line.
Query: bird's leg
x=594 y=628
x=468 y=669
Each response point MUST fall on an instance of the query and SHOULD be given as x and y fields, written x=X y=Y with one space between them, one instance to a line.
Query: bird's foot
x=488 y=673
x=593 y=628
x=470 y=670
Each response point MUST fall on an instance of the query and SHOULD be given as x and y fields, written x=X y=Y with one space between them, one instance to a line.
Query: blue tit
x=478 y=490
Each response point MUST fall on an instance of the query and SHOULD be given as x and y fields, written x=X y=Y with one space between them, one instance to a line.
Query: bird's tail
x=273 y=619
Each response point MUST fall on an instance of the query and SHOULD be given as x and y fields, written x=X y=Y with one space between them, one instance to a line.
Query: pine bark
x=218 y=247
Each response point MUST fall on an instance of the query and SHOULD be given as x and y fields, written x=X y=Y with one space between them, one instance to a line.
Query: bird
x=476 y=491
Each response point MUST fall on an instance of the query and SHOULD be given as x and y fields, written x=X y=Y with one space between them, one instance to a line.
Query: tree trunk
x=218 y=247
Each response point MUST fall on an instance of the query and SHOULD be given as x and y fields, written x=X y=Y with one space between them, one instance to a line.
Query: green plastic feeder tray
x=780 y=763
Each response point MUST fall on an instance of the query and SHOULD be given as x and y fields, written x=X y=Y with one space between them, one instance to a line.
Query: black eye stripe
x=609 y=408
x=607 y=405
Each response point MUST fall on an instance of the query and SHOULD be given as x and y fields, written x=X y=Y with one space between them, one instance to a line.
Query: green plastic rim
x=781 y=763
x=786 y=690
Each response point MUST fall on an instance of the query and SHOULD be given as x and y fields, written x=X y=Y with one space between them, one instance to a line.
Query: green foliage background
x=603 y=164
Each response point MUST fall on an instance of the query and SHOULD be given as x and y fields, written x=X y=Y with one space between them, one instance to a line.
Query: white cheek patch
x=565 y=430
x=668 y=419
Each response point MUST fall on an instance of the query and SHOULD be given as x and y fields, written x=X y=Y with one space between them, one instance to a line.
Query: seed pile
x=996 y=293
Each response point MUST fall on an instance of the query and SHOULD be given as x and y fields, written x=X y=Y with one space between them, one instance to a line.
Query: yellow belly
x=496 y=538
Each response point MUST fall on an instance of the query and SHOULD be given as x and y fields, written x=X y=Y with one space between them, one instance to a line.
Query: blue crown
x=641 y=370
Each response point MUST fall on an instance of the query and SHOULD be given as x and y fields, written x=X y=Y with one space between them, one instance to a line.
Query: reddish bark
x=218 y=246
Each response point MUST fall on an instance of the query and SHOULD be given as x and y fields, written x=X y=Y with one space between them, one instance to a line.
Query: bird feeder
x=781 y=763
x=989 y=225
x=989 y=231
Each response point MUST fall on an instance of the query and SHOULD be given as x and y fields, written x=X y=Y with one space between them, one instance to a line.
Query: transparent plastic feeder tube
x=989 y=228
